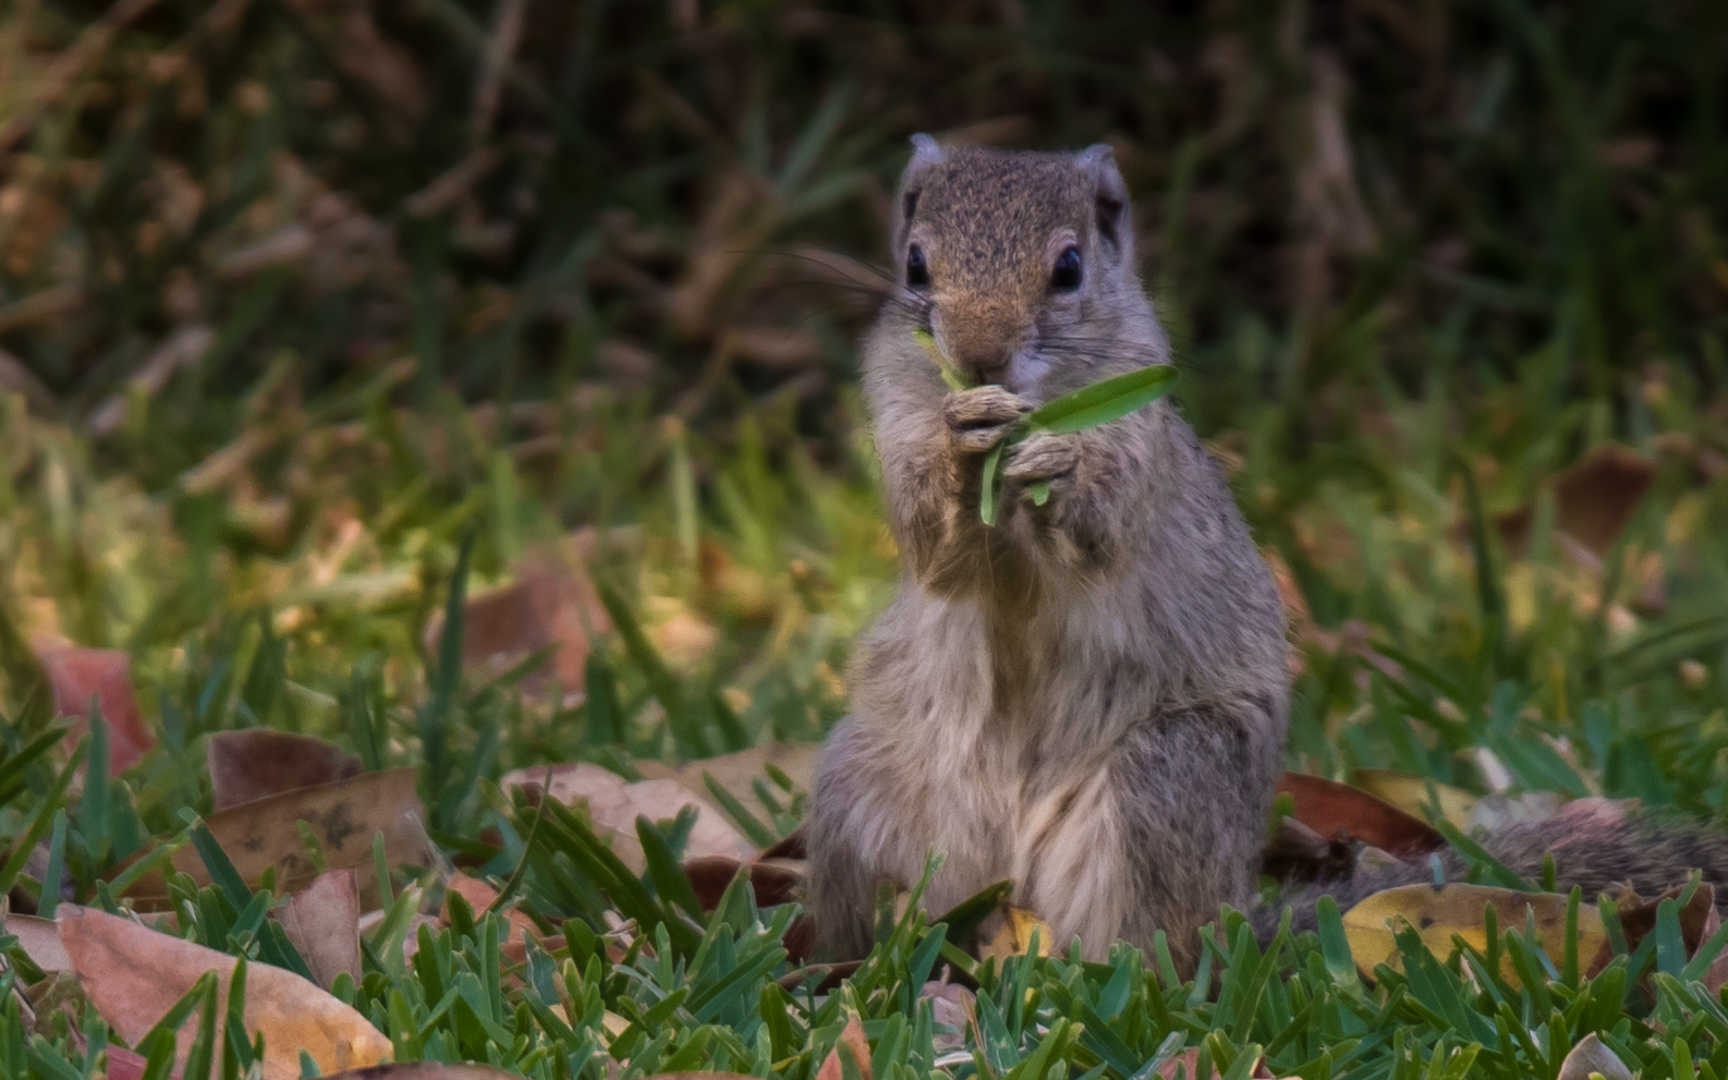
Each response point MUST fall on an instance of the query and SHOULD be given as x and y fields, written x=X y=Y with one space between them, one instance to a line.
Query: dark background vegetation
x=296 y=294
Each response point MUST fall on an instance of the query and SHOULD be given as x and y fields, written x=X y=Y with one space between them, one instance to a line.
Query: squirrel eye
x=1066 y=275
x=917 y=274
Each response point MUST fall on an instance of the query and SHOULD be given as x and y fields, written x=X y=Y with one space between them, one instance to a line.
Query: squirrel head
x=1021 y=264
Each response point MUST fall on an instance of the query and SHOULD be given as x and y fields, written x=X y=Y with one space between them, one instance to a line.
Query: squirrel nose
x=980 y=334
x=986 y=366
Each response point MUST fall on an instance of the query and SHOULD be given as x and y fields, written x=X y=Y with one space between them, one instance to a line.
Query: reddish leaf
x=124 y=1064
x=1594 y=500
x=79 y=675
x=1336 y=811
x=710 y=876
x=852 y=1038
x=133 y=975
x=255 y=763
x=791 y=846
x=323 y=922
x=547 y=606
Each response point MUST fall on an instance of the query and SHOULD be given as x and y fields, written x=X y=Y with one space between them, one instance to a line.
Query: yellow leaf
x=1015 y=936
x=1410 y=794
x=1437 y=914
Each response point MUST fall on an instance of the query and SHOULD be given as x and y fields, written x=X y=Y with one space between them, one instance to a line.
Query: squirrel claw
x=1042 y=457
x=982 y=406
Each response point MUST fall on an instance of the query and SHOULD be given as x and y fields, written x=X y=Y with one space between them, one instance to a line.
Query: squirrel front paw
x=979 y=418
x=1043 y=457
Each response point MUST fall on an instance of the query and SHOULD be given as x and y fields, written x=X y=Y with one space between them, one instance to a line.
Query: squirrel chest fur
x=1089 y=697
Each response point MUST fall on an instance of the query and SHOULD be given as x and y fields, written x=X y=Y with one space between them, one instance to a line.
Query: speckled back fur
x=1090 y=697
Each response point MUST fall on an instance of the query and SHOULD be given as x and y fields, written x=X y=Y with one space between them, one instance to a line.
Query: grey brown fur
x=1090 y=697
x=1597 y=845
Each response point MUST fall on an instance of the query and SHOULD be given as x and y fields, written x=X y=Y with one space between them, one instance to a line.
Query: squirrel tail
x=1597 y=845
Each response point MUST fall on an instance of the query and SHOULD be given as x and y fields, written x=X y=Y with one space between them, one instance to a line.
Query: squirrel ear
x=925 y=151
x=1110 y=199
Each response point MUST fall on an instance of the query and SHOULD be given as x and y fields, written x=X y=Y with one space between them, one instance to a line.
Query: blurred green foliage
x=295 y=295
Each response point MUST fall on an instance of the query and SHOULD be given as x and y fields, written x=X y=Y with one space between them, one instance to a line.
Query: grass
x=295 y=328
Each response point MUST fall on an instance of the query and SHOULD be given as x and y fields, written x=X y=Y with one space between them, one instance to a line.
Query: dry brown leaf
x=548 y=606
x=323 y=922
x=1015 y=936
x=255 y=763
x=852 y=1038
x=40 y=939
x=1589 y=1057
x=431 y=1070
x=481 y=896
x=954 y=1010
x=123 y=1064
x=1698 y=920
x=1594 y=500
x=133 y=975
x=1334 y=810
x=738 y=772
x=614 y=804
x=1437 y=914
x=774 y=882
x=434 y=1070
x=77 y=676
x=344 y=816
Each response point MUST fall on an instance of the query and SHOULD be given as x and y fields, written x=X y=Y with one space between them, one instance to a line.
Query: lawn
x=472 y=385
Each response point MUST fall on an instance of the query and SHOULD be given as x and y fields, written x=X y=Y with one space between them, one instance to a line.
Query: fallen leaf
x=1698 y=920
x=614 y=804
x=774 y=882
x=1439 y=913
x=255 y=763
x=480 y=896
x=548 y=606
x=790 y=846
x=852 y=1038
x=954 y=1010
x=1015 y=936
x=431 y=1070
x=323 y=923
x=40 y=939
x=343 y=816
x=1334 y=810
x=133 y=975
x=1589 y=1057
x=1415 y=794
x=1594 y=500
x=123 y=1064
x=78 y=675
x=738 y=772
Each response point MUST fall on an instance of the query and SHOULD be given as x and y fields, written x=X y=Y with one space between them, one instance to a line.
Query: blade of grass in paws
x=950 y=374
x=1103 y=401
x=990 y=484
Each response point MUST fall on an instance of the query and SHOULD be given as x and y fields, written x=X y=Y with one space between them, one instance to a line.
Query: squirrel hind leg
x=1597 y=846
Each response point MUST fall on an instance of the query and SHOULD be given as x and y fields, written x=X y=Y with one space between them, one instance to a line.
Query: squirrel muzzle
x=980 y=333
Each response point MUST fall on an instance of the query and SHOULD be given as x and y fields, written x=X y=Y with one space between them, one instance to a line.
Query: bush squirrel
x=1089 y=697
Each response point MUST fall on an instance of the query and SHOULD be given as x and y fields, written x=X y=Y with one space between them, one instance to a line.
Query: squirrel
x=1089 y=697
